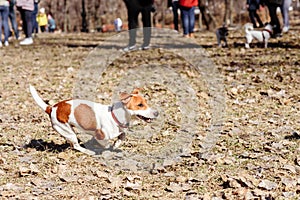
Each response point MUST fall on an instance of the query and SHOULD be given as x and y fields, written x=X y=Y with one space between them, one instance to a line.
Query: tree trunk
x=65 y=16
x=207 y=17
x=228 y=12
x=83 y=15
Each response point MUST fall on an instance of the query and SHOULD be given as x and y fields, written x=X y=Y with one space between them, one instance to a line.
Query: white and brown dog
x=104 y=122
x=261 y=36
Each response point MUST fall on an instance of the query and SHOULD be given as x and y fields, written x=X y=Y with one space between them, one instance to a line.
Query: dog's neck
x=120 y=114
x=270 y=32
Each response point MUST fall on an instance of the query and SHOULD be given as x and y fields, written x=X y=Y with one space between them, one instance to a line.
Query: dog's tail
x=39 y=100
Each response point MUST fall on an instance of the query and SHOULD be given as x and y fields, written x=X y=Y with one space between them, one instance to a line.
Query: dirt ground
x=256 y=155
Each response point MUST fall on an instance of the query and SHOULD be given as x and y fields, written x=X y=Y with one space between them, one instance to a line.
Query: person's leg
x=24 y=23
x=1 y=20
x=191 y=14
x=146 y=18
x=13 y=21
x=175 y=7
x=252 y=18
x=5 y=23
x=285 y=12
x=132 y=13
x=258 y=19
x=274 y=19
x=28 y=19
x=185 y=21
x=33 y=18
x=191 y=20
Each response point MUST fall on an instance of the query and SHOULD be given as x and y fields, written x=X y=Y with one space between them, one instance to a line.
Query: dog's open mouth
x=146 y=119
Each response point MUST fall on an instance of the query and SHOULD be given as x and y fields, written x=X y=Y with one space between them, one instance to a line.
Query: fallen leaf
x=132 y=186
x=289 y=182
x=268 y=185
x=290 y=168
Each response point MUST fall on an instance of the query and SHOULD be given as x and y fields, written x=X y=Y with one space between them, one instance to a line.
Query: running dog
x=104 y=122
x=261 y=36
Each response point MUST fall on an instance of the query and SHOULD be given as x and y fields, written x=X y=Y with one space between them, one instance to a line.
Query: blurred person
x=118 y=24
x=4 y=10
x=134 y=8
x=187 y=10
x=51 y=23
x=175 y=7
x=12 y=18
x=272 y=7
x=26 y=8
x=253 y=6
x=42 y=20
x=285 y=15
x=35 y=25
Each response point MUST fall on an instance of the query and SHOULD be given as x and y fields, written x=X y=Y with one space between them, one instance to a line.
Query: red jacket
x=188 y=3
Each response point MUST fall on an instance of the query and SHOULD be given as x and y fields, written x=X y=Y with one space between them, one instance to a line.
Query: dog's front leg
x=266 y=44
x=119 y=141
x=100 y=137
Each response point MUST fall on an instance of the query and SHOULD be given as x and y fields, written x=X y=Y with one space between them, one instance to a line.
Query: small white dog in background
x=261 y=36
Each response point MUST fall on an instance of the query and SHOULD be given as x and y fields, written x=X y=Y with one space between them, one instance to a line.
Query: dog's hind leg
x=66 y=131
x=225 y=40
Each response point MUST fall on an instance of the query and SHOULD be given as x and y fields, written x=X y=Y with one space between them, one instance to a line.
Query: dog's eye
x=141 y=105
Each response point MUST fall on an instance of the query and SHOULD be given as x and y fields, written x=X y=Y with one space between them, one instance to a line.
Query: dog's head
x=223 y=31
x=248 y=26
x=137 y=105
x=269 y=27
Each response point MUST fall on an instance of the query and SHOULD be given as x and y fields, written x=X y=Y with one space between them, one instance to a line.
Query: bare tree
x=206 y=15
x=228 y=12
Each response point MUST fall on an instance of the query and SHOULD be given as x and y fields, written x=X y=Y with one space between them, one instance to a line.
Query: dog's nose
x=156 y=113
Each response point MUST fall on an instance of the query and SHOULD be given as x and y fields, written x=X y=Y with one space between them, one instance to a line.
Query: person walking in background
x=51 y=23
x=118 y=24
x=253 y=6
x=42 y=20
x=26 y=8
x=12 y=18
x=272 y=7
x=35 y=26
x=285 y=14
x=175 y=7
x=4 y=10
x=134 y=8
x=187 y=9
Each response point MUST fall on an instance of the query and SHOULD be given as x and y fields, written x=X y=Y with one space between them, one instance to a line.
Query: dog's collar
x=268 y=31
x=116 y=119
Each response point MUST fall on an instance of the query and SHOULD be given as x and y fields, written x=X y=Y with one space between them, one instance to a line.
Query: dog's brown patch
x=48 y=110
x=137 y=102
x=85 y=117
x=99 y=135
x=63 y=111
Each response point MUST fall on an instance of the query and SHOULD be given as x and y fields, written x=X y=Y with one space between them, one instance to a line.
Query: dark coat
x=276 y=2
x=253 y=4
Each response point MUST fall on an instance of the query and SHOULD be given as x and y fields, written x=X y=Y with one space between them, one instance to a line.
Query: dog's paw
x=89 y=152
x=117 y=144
x=84 y=150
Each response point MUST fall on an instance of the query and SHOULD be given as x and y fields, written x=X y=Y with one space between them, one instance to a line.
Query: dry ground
x=257 y=152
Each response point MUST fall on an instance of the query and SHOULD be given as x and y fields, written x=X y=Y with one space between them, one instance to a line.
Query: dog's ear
x=136 y=90
x=125 y=97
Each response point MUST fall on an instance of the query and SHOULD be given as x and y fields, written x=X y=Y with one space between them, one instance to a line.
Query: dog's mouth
x=146 y=119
